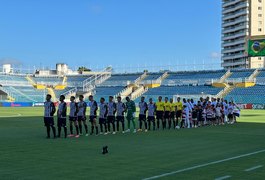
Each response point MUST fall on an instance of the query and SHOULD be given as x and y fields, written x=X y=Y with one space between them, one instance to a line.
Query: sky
x=121 y=33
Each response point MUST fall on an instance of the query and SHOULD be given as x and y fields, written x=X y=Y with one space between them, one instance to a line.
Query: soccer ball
x=177 y=127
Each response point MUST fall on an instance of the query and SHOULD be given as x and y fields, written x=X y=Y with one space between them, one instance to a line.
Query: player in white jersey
x=218 y=114
x=121 y=108
x=81 y=115
x=49 y=110
x=230 y=110
x=142 y=115
x=225 y=109
x=103 y=111
x=111 y=114
x=236 y=112
x=151 y=114
x=61 y=116
x=93 y=115
x=73 y=117
x=187 y=110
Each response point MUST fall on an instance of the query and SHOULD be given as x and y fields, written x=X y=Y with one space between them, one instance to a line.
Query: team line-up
x=185 y=113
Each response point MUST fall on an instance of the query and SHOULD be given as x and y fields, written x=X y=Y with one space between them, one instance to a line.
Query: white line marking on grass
x=13 y=115
x=253 y=168
x=203 y=165
x=222 y=178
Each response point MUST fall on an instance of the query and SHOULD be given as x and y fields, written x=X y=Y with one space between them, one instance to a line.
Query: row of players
x=112 y=114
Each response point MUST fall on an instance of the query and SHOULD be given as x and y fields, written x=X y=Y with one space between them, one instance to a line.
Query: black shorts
x=159 y=114
x=167 y=115
x=61 y=122
x=102 y=120
x=142 y=117
x=230 y=116
x=151 y=118
x=120 y=118
x=178 y=114
x=172 y=115
x=236 y=114
x=81 y=118
x=199 y=118
x=111 y=119
x=72 y=118
x=48 y=121
x=92 y=118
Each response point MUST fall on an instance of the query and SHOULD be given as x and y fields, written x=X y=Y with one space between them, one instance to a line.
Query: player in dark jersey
x=112 y=108
x=81 y=115
x=151 y=114
x=103 y=111
x=61 y=116
x=49 y=110
x=93 y=115
x=142 y=115
x=73 y=117
x=120 y=114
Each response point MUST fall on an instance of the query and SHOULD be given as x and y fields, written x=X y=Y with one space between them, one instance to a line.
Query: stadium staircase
x=10 y=97
x=31 y=81
x=225 y=91
x=225 y=76
x=90 y=83
x=254 y=75
x=139 y=86
x=163 y=76
x=70 y=92
x=141 y=78
x=134 y=89
x=18 y=92
x=52 y=93
x=231 y=84
x=139 y=92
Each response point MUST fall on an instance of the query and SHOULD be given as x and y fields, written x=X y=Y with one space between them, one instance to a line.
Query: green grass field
x=25 y=153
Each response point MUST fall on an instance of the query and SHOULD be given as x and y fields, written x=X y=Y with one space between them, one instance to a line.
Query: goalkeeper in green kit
x=130 y=110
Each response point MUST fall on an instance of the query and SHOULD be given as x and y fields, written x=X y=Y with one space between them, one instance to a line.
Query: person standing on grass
x=103 y=112
x=93 y=115
x=130 y=110
x=172 y=114
x=187 y=109
x=160 y=109
x=49 y=110
x=120 y=114
x=73 y=117
x=167 y=113
x=61 y=116
x=151 y=114
x=142 y=115
x=81 y=115
x=179 y=107
x=236 y=112
x=230 y=110
x=112 y=108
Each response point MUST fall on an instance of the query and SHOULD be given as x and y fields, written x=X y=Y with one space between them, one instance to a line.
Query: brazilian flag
x=256 y=48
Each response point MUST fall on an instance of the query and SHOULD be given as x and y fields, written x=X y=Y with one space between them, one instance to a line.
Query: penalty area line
x=204 y=165
x=222 y=178
x=253 y=168
x=9 y=116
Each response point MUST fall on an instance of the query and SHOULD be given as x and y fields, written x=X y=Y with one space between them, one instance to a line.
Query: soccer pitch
x=225 y=152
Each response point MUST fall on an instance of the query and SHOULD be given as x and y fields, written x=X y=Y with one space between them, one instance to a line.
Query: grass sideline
x=26 y=154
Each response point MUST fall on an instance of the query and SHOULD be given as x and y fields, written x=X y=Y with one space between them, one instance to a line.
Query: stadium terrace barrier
x=251 y=106
x=17 y=104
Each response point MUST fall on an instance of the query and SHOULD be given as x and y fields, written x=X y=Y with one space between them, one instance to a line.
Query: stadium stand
x=255 y=94
x=176 y=83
